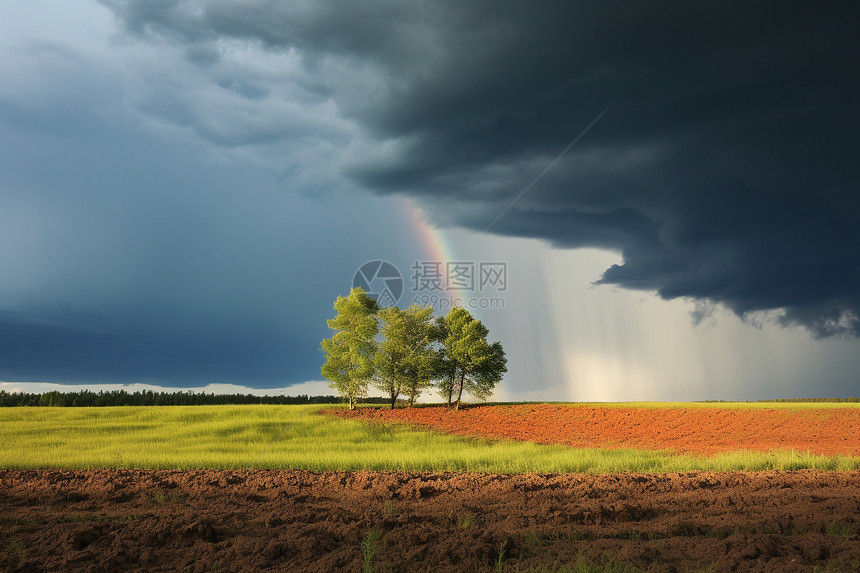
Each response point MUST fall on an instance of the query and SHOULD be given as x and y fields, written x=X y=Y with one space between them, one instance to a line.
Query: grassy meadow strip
x=298 y=437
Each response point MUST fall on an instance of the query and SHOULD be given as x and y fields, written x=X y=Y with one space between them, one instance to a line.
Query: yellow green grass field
x=298 y=437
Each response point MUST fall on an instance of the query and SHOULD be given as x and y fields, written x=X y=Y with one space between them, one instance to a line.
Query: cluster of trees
x=405 y=351
x=150 y=398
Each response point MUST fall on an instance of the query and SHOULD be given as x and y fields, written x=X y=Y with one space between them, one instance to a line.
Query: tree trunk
x=450 y=389
x=411 y=400
x=351 y=403
x=460 y=391
x=393 y=400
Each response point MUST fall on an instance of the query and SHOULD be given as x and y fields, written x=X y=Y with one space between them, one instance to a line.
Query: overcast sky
x=186 y=186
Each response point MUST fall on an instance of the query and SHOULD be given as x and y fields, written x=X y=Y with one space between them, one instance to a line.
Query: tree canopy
x=465 y=360
x=350 y=352
x=404 y=360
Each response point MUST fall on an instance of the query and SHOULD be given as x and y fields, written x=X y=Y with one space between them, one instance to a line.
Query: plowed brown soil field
x=125 y=520
x=699 y=431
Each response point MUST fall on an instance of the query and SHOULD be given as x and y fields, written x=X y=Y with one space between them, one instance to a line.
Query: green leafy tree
x=350 y=352
x=464 y=359
x=419 y=371
x=444 y=366
x=404 y=360
x=488 y=373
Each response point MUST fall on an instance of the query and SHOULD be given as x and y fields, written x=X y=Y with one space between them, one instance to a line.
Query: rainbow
x=435 y=247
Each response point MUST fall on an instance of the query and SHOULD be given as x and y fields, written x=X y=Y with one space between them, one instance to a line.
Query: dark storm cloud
x=725 y=169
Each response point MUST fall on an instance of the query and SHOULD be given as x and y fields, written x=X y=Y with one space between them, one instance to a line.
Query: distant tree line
x=150 y=398
x=405 y=351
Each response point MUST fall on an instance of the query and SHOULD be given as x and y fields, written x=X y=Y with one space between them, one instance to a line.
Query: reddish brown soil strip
x=699 y=431
x=303 y=521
